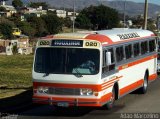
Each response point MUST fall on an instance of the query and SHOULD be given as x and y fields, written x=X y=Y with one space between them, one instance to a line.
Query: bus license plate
x=62 y=104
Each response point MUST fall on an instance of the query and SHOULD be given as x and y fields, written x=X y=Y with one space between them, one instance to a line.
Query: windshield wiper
x=77 y=74
x=46 y=74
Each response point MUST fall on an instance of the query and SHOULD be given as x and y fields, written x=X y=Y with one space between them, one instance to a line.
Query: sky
x=149 y=1
x=141 y=1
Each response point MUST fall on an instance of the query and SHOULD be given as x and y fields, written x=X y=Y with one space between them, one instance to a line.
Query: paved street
x=132 y=103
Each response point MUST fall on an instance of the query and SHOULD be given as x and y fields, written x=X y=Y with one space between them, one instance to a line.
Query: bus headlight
x=43 y=90
x=86 y=91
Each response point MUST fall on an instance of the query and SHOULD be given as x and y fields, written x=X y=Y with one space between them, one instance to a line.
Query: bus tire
x=143 y=89
x=110 y=104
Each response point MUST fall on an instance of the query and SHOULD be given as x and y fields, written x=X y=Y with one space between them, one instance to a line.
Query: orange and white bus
x=93 y=68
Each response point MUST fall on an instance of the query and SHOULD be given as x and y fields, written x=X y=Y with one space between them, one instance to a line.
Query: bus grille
x=64 y=91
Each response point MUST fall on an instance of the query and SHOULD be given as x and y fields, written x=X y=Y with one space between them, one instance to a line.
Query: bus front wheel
x=143 y=89
x=110 y=104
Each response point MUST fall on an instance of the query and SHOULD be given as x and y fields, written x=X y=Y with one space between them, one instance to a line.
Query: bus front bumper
x=67 y=102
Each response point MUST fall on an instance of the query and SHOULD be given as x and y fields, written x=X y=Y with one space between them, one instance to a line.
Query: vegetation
x=6 y=30
x=39 y=25
x=2 y=9
x=27 y=29
x=53 y=23
x=97 y=18
x=90 y=18
x=15 y=71
x=37 y=4
x=17 y=3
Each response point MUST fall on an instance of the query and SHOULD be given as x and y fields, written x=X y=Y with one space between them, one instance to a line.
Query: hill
x=132 y=8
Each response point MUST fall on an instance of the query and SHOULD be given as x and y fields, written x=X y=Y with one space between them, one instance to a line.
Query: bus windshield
x=67 y=61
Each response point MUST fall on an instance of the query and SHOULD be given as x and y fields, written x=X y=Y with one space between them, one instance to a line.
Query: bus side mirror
x=108 y=58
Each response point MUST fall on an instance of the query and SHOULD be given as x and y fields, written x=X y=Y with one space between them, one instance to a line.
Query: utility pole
x=158 y=22
x=124 y=17
x=145 y=14
x=73 y=15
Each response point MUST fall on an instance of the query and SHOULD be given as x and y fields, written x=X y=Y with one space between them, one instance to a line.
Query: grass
x=15 y=71
x=5 y=93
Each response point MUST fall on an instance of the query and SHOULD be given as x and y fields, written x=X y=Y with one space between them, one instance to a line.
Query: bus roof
x=108 y=37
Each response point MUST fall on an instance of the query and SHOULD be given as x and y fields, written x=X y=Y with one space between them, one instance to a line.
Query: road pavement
x=130 y=106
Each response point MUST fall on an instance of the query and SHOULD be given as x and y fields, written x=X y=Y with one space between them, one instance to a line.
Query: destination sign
x=44 y=43
x=73 y=43
x=128 y=36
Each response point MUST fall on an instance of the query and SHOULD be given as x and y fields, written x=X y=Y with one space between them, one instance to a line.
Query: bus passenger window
x=136 y=49
x=112 y=66
x=152 y=45
x=128 y=51
x=112 y=55
x=144 y=47
x=119 y=54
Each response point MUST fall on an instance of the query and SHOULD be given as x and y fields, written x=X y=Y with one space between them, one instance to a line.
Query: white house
x=61 y=13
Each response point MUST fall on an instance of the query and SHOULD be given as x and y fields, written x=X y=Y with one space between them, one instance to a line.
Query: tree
x=37 y=4
x=67 y=22
x=17 y=3
x=53 y=23
x=100 y=17
x=138 y=22
x=6 y=30
x=151 y=25
x=6 y=27
x=2 y=9
x=82 y=21
x=38 y=24
x=27 y=29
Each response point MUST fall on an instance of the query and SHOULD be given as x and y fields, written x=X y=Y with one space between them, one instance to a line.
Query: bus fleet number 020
x=92 y=44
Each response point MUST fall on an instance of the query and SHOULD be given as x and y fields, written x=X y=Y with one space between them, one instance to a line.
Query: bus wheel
x=143 y=89
x=110 y=104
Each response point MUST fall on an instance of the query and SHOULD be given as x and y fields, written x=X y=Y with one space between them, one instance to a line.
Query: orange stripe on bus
x=131 y=87
x=100 y=38
x=112 y=80
x=96 y=87
x=137 y=62
x=109 y=83
x=152 y=77
x=98 y=102
x=106 y=97
x=64 y=98
x=108 y=86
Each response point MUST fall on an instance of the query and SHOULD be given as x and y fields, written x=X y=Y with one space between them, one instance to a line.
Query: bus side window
x=144 y=47
x=128 y=51
x=136 y=49
x=158 y=44
x=119 y=53
x=152 y=45
x=112 y=65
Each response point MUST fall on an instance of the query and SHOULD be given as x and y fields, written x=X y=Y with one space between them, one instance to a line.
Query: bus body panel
x=69 y=89
x=133 y=75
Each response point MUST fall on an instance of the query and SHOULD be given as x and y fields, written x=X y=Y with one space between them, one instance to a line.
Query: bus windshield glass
x=67 y=61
